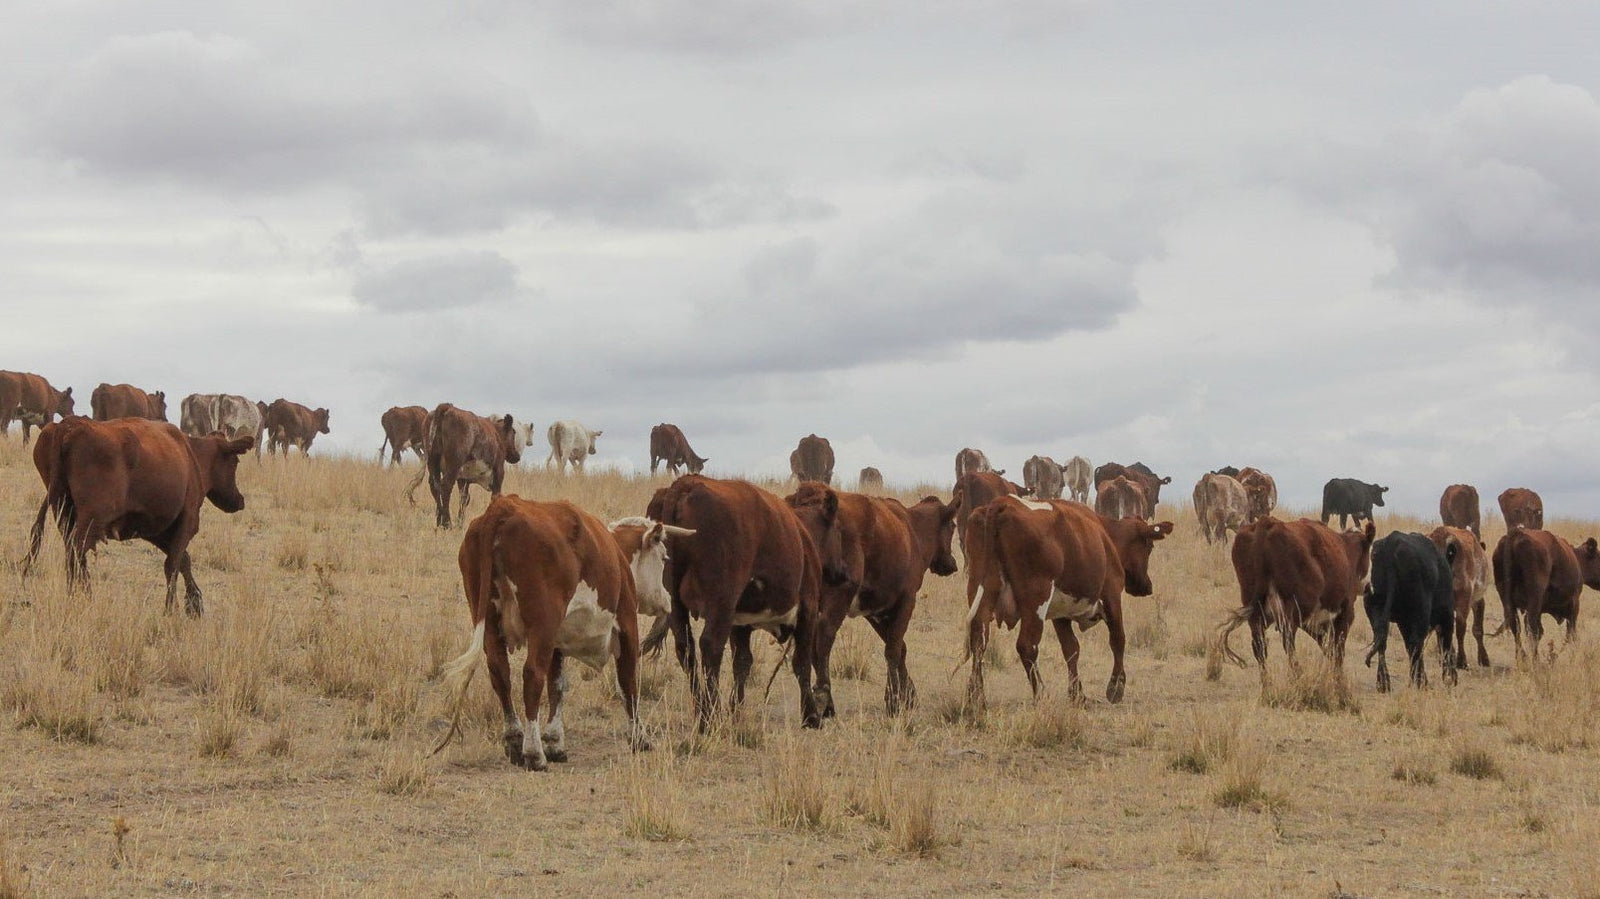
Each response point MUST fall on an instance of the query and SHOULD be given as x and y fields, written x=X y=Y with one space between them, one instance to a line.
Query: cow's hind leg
x=627 y=673
x=499 y=664
x=1117 y=637
x=827 y=631
x=534 y=667
x=1029 y=632
x=743 y=660
x=1070 y=650
x=1477 y=634
x=554 y=734
x=899 y=692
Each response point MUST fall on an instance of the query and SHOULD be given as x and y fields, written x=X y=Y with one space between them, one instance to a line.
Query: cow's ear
x=1383 y=489
x=655 y=536
x=67 y=392
x=597 y=433
x=1591 y=547
x=240 y=445
x=1161 y=529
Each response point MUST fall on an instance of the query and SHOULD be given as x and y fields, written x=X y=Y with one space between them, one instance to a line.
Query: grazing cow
x=1522 y=507
x=1458 y=508
x=1078 y=474
x=1043 y=477
x=30 y=398
x=887 y=549
x=1410 y=587
x=1469 y=567
x=1222 y=504
x=1350 y=499
x=569 y=442
x=667 y=444
x=1149 y=482
x=132 y=478
x=1536 y=574
x=1120 y=497
x=553 y=578
x=404 y=428
x=974 y=490
x=870 y=480
x=464 y=449
x=812 y=460
x=752 y=563
x=1297 y=575
x=291 y=424
x=1055 y=561
x=111 y=401
x=971 y=460
x=1262 y=490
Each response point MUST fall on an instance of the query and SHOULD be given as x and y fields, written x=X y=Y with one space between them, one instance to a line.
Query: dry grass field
x=276 y=746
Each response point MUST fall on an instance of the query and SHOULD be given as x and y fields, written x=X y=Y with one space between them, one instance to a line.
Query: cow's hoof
x=534 y=763
x=555 y=755
x=1115 y=688
x=513 y=747
x=641 y=745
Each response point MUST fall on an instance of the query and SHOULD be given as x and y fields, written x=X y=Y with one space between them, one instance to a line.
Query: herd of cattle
x=550 y=577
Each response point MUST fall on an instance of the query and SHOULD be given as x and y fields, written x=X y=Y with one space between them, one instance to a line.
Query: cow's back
x=1458 y=507
x=1521 y=506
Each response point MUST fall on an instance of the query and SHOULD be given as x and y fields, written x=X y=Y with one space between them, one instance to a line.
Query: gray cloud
x=450 y=281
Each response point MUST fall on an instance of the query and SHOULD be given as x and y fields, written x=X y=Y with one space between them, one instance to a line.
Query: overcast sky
x=1357 y=239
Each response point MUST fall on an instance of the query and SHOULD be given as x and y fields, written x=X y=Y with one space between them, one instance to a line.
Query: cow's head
x=218 y=458
x=64 y=403
x=1377 y=494
x=697 y=464
x=644 y=543
x=1358 y=548
x=525 y=434
x=944 y=562
x=1589 y=562
x=510 y=443
x=816 y=505
x=1134 y=539
x=158 y=404
x=321 y=418
x=593 y=436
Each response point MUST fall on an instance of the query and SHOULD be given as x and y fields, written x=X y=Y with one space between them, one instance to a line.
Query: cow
x=1078 y=473
x=1350 y=499
x=667 y=444
x=971 y=460
x=1222 y=504
x=291 y=424
x=31 y=399
x=1411 y=586
x=1522 y=507
x=404 y=428
x=975 y=489
x=870 y=480
x=133 y=478
x=1043 y=477
x=237 y=417
x=111 y=401
x=1458 y=508
x=553 y=578
x=1536 y=574
x=1262 y=490
x=1469 y=567
x=753 y=563
x=1120 y=497
x=464 y=449
x=569 y=442
x=1036 y=561
x=1228 y=470
x=812 y=460
x=1297 y=575
x=1149 y=482
x=197 y=414
x=887 y=549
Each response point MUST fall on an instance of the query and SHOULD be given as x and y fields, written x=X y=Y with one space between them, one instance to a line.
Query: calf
x=404 y=428
x=1120 y=498
x=1043 y=477
x=1537 y=573
x=1469 y=567
x=1349 y=498
x=1458 y=508
x=1077 y=473
x=1411 y=586
x=1522 y=507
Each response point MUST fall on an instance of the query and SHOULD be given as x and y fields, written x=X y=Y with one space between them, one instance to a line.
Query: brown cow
x=552 y=577
x=971 y=461
x=870 y=480
x=291 y=424
x=1536 y=574
x=1297 y=575
x=667 y=444
x=1043 y=477
x=30 y=398
x=812 y=460
x=975 y=489
x=1522 y=507
x=751 y=564
x=1222 y=504
x=1458 y=508
x=1149 y=482
x=110 y=401
x=1262 y=490
x=404 y=428
x=1120 y=497
x=463 y=449
x=1469 y=570
x=887 y=549
x=1056 y=561
x=132 y=478
x=1078 y=474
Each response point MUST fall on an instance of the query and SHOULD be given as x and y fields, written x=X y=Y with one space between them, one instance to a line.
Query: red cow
x=1120 y=497
x=667 y=444
x=291 y=424
x=975 y=489
x=110 y=401
x=1458 y=508
x=812 y=460
x=1536 y=574
x=403 y=429
x=1522 y=507
x=1469 y=570
x=30 y=398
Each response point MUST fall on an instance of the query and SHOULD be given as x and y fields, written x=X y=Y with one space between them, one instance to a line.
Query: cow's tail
x=983 y=557
x=1225 y=631
x=57 y=499
x=383 y=446
x=458 y=672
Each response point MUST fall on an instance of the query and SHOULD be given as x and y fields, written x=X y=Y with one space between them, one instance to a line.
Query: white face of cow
x=592 y=436
x=649 y=563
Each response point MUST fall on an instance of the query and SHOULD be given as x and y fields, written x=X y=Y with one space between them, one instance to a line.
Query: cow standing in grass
x=1411 y=588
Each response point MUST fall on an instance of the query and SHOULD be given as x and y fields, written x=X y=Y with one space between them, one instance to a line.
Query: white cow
x=570 y=442
x=230 y=413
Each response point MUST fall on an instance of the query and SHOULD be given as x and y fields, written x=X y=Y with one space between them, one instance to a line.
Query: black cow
x=1411 y=587
x=1350 y=499
x=1228 y=470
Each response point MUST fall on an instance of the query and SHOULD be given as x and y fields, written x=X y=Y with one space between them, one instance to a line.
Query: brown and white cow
x=1536 y=574
x=132 y=478
x=1262 y=490
x=870 y=480
x=1222 y=504
x=233 y=415
x=291 y=424
x=551 y=577
x=1043 y=477
x=975 y=489
x=1078 y=476
x=1297 y=575
x=753 y=563
x=1522 y=507
x=1056 y=561
x=887 y=549
x=812 y=460
x=111 y=401
x=1149 y=482
x=404 y=428
x=1120 y=497
x=667 y=444
x=970 y=461
x=464 y=449
x=31 y=399
x=1458 y=508
x=1469 y=581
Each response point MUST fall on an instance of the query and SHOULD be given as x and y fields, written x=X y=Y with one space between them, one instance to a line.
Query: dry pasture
x=275 y=747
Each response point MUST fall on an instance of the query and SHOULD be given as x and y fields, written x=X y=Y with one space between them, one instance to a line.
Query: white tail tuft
x=458 y=677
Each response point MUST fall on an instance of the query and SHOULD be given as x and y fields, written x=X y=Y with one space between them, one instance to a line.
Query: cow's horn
x=676 y=531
